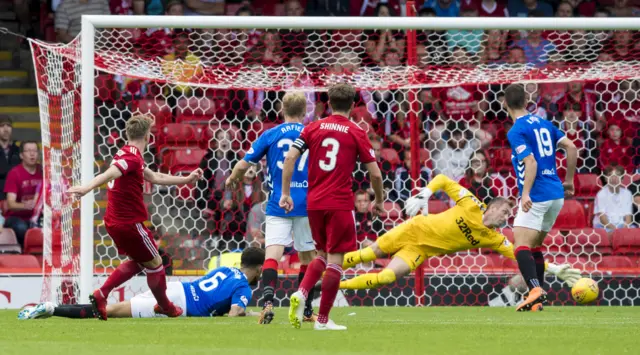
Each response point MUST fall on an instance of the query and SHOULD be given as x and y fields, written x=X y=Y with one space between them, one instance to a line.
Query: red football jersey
x=125 y=203
x=334 y=144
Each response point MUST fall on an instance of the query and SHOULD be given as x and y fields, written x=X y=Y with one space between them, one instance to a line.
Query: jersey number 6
x=212 y=282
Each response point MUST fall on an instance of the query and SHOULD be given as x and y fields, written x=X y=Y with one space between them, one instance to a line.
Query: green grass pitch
x=389 y=330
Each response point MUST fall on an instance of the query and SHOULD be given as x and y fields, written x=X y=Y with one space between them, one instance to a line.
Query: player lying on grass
x=224 y=290
x=469 y=225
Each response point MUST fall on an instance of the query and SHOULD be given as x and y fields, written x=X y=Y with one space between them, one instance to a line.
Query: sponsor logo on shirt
x=549 y=172
x=299 y=184
x=193 y=293
x=464 y=228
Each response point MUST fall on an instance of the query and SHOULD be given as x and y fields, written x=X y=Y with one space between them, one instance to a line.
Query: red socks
x=312 y=275
x=330 y=286
x=157 y=282
x=123 y=273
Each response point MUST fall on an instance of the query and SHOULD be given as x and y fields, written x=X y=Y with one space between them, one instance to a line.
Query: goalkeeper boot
x=536 y=296
x=296 y=309
x=172 y=312
x=99 y=304
x=309 y=317
x=330 y=325
x=266 y=316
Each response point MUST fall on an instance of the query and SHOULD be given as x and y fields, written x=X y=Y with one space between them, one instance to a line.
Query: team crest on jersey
x=372 y=152
x=521 y=148
x=250 y=151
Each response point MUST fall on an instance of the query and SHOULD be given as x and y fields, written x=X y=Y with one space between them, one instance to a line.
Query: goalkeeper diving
x=470 y=224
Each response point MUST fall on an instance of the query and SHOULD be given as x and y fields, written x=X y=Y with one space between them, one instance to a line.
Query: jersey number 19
x=545 y=144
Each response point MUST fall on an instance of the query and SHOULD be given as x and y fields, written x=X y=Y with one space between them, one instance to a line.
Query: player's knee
x=306 y=256
x=154 y=263
x=386 y=276
x=377 y=251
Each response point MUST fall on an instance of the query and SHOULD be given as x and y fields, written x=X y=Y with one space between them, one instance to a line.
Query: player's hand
x=227 y=204
x=378 y=208
x=418 y=202
x=231 y=183
x=569 y=189
x=77 y=191
x=565 y=273
x=526 y=203
x=195 y=176
x=286 y=203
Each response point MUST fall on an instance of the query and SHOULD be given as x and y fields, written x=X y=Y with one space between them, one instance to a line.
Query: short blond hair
x=138 y=127
x=294 y=104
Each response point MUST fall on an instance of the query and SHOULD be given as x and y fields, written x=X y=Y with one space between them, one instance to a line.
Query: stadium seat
x=588 y=241
x=19 y=261
x=615 y=261
x=33 y=241
x=184 y=159
x=105 y=87
x=195 y=110
x=587 y=185
x=626 y=241
x=554 y=243
x=393 y=211
x=438 y=206
x=471 y=263
x=578 y=262
x=390 y=155
x=588 y=209
x=159 y=109
x=257 y=128
x=572 y=216
x=9 y=242
x=176 y=135
x=425 y=158
x=236 y=135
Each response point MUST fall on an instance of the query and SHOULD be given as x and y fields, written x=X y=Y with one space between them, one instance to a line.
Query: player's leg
x=526 y=231
x=144 y=305
x=303 y=243
x=401 y=265
x=277 y=236
x=547 y=223
x=388 y=244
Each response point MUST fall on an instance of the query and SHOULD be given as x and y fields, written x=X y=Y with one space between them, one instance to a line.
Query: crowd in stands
x=463 y=128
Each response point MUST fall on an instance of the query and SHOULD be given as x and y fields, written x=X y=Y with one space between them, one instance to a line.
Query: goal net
x=429 y=96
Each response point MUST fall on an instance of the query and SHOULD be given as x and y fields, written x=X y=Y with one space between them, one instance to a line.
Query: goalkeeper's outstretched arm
x=441 y=182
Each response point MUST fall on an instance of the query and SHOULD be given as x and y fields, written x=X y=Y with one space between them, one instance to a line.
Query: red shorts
x=333 y=231
x=133 y=240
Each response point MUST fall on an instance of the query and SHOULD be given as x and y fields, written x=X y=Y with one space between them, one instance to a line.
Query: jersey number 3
x=332 y=154
x=212 y=283
x=545 y=144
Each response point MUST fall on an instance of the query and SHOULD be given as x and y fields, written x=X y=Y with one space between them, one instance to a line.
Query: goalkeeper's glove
x=565 y=273
x=418 y=202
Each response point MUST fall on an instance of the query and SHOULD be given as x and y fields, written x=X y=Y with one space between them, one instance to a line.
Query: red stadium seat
x=500 y=158
x=33 y=241
x=554 y=243
x=626 y=241
x=392 y=210
x=257 y=128
x=177 y=135
x=105 y=87
x=589 y=241
x=572 y=216
x=19 y=261
x=587 y=185
x=159 y=109
x=9 y=242
x=615 y=261
x=185 y=159
x=578 y=262
x=390 y=155
x=438 y=206
x=235 y=134
x=425 y=158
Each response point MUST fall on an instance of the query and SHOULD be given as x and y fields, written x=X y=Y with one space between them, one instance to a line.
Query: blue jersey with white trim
x=531 y=134
x=275 y=143
x=214 y=294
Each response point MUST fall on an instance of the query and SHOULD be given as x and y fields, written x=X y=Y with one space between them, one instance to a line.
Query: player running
x=223 y=290
x=534 y=141
x=470 y=224
x=126 y=212
x=334 y=145
x=282 y=229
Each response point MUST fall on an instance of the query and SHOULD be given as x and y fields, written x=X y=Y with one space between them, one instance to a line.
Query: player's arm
x=572 y=160
x=109 y=175
x=253 y=156
x=523 y=153
x=298 y=147
x=375 y=176
x=157 y=178
x=239 y=301
x=439 y=183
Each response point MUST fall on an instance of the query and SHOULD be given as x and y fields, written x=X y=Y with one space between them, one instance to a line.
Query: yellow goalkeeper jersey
x=458 y=228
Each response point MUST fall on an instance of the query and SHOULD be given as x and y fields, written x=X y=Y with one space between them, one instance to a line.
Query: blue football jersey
x=215 y=293
x=534 y=135
x=275 y=143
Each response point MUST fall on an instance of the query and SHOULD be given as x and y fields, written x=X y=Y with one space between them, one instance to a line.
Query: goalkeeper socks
x=313 y=274
x=74 y=311
x=308 y=308
x=123 y=273
x=330 y=287
x=527 y=266
x=269 y=280
x=157 y=282
x=371 y=280
x=539 y=259
x=357 y=257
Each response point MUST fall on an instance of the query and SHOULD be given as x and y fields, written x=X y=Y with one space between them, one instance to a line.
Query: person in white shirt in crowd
x=613 y=207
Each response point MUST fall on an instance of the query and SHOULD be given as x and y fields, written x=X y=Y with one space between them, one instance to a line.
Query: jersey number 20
x=545 y=144
x=212 y=282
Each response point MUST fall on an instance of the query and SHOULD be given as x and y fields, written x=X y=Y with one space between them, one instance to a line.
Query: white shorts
x=541 y=217
x=142 y=304
x=288 y=231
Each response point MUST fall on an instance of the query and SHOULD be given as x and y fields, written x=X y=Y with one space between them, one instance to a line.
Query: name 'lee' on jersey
x=275 y=143
x=531 y=134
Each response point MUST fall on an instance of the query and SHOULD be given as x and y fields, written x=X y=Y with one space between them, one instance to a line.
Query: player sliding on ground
x=534 y=141
x=334 y=144
x=126 y=212
x=470 y=224
x=222 y=291
x=282 y=229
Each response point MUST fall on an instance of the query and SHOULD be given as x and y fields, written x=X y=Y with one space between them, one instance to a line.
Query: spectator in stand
x=613 y=207
x=494 y=44
x=516 y=56
x=522 y=8
x=22 y=8
x=469 y=40
x=69 y=13
x=621 y=47
x=268 y=51
x=158 y=42
x=361 y=179
x=565 y=9
x=486 y=8
x=255 y=225
x=443 y=8
x=366 y=226
x=536 y=49
x=453 y=159
x=148 y=7
x=398 y=131
x=182 y=64
x=478 y=179
x=574 y=128
x=23 y=185
x=624 y=111
x=327 y=8
x=403 y=183
x=576 y=94
x=634 y=188
x=621 y=8
x=9 y=153
x=204 y=7
x=379 y=42
x=431 y=46
x=616 y=150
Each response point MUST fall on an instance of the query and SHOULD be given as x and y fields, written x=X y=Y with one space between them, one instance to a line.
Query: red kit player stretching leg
x=126 y=213
x=334 y=144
